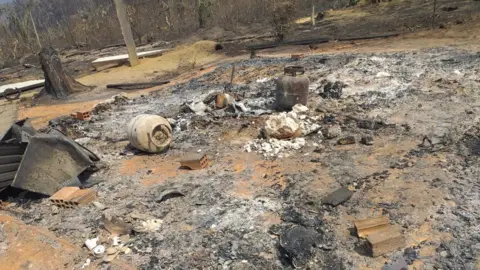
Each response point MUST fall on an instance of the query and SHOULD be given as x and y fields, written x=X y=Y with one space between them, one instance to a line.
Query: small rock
x=367 y=140
x=100 y=206
x=332 y=131
x=338 y=196
x=282 y=126
x=383 y=74
x=347 y=140
x=82 y=140
x=333 y=90
x=111 y=250
x=91 y=243
x=198 y=108
x=172 y=122
x=444 y=254
x=298 y=242
x=87 y=263
x=300 y=109
x=398 y=263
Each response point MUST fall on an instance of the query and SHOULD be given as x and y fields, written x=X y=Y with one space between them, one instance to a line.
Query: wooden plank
x=368 y=226
x=27 y=85
x=387 y=240
x=120 y=59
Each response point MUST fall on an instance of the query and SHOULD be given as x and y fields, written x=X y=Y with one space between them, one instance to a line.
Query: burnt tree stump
x=57 y=83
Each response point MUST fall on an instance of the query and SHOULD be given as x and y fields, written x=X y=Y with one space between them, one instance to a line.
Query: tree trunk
x=57 y=83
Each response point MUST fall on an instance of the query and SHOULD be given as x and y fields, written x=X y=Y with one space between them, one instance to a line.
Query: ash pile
x=322 y=162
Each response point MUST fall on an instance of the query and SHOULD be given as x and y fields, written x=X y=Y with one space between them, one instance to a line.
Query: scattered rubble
x=339 y=196
x=385 y=240
x=150 y=225
x=116 y=226
x=298 y=243
x=223 y=100
x=332 y=131
x=281 y=196
x=274 y=147
x=69 y=197
x=91 y=243
x=198 y=108
x=366 y=227
x=282 y=126
x=297 y=57
x=367 y=140
x=333 y=90
x=83 y=116
x=195 y=161
x=347 y=140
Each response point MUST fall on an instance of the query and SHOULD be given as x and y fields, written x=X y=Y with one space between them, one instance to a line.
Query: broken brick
x=347 y=140
x=84 y=116
x=195 y=161
x=369 y=226
x=69 y=197
x=385 y=240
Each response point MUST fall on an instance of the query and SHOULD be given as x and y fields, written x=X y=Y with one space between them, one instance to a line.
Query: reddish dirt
x=31 y=247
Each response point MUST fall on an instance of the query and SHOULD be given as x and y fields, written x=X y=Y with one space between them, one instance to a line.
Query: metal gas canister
x=292 y=88
x=150 y=133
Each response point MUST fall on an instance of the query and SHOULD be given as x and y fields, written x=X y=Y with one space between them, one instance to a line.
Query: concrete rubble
x=274 y=147
x=282 y=126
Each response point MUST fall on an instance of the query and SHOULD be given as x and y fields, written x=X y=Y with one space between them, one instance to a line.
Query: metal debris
x=150 y=133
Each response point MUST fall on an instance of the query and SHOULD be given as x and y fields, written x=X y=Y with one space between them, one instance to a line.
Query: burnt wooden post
x=313 y=13
x=57 y=83
x=127 y=32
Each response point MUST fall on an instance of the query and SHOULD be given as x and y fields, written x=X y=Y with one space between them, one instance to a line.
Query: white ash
x=275 y=148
